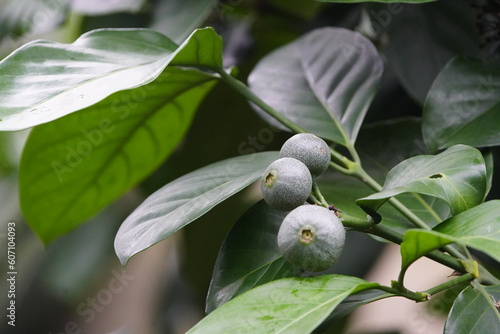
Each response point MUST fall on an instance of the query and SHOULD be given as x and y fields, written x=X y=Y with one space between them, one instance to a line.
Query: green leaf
x=350 y=304
x=417 y=243
x=457 y=176
x=463 y=105
x=324 y=82
x=178 y=18
x=289 y=305
x=182 y=201
x=249 y=256
x=43 y=81
x=477 y=228
x=73 y=167
x=446 y=28
x=474 y=312
x=396 y=140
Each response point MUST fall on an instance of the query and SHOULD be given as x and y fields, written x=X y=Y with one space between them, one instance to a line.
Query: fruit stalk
x=318 y=195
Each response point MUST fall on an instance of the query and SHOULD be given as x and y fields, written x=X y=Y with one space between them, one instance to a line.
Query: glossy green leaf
x=463 y=105
x=289 y=305
x=457 y=176
x=43 y=81
x=350 y=304
x=178 y=18
x=477 y=228
x=474 y=312
x=324 y=82
x=185 y=199
x=445 y=29
x=357 y=300
x=73 y=167
x=417 y=243
x=396 y=141
x=249 y=256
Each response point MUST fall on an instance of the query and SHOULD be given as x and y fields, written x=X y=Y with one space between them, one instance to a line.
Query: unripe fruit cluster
x=310 y=237
x=287 y=182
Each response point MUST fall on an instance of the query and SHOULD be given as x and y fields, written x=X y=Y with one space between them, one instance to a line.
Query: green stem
x=408 y=214
x=413 y=218
x=416 y=296
x=446 y=285
x=249 y=95
x=386 y=233
x=395 y=237
x=340 y=168
x=351 y=168
x=354 y=153
x=422 y=296
x=340 y=162
x=366 y=178
x=401 y=277
x=314 y=200
x=317 y=193
x=355 y=223
x=339 y=158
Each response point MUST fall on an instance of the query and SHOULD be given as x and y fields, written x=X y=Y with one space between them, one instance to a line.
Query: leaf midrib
x=253 y=271
x=124 y=142
x=319 y=306
x=308 y=78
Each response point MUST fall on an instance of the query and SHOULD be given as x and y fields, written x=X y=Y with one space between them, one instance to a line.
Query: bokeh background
x=75 y=284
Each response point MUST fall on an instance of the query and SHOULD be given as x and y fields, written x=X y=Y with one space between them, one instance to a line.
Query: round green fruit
x=311 y=237
x=310 y=149
x=286 y=184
